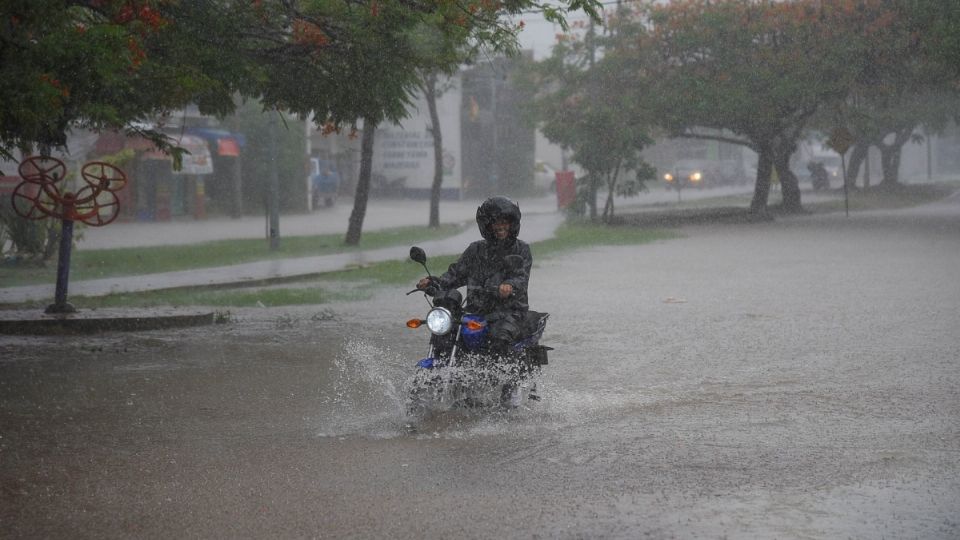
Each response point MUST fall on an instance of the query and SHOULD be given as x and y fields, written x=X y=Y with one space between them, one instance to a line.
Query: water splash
x=366 y=397
x=371 y=385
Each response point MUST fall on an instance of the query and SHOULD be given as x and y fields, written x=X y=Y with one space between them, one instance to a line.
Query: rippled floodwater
x=797 y=379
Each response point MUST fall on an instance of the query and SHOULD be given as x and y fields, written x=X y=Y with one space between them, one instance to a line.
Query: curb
x=23 y=322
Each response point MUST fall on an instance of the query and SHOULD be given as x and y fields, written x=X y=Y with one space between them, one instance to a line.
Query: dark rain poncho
x=482 y=268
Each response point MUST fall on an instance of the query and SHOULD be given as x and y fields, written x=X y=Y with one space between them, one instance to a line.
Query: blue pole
x=60 y=304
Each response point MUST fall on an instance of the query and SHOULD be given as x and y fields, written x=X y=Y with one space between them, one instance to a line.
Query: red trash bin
x=566 y=188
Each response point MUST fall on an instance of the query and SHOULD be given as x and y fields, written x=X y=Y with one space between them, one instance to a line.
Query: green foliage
x=93 y=64
x=263 y=128
x=26 y=242
x=583 y=106
x=907 y=82
x=115 y=63
x=572 y=236
x=756 y=69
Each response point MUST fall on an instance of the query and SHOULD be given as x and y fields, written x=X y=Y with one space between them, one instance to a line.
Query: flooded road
x=795 y=379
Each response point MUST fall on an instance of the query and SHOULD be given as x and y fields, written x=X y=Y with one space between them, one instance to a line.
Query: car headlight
x=439 y=321
x=668 y=177
x=695 y=177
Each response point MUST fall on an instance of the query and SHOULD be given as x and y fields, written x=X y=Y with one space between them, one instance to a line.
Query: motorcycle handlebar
x=429 y=290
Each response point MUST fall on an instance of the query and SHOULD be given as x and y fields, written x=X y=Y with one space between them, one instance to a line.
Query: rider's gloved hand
x=506 y=290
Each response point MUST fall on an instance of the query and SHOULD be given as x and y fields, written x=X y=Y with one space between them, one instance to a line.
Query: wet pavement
x=791 y=379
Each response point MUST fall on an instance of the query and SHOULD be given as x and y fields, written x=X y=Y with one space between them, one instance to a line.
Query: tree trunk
x=430 y=92
x=890 y=157
x=866 y=170
x=789 y=186
x=355 y=228
x=886 y=165
x=592 y=194
x=761 y=190
x=612 y=179
x=273 y=203
x=858 y=157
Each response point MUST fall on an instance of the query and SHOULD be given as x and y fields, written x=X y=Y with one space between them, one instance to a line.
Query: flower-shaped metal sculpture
x=42 y=194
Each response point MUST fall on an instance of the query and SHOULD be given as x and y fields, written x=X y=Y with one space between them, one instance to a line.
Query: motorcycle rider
x=494 y=288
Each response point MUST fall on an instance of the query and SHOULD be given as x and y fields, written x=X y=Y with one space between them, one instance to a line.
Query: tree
x=757 y=70
x=583 y=106
x=79 y=63
x=431 y=91
x=339 y=60
x=907 y=83
x=448 y=51
x=450 y=29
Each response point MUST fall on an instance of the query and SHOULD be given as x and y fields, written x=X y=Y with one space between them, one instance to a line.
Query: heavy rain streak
x=478 y=269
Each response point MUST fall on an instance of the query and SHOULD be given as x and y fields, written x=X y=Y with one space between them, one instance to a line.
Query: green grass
x=570 y=237
x=877 y=198
x=358 y=283
x=101 y=263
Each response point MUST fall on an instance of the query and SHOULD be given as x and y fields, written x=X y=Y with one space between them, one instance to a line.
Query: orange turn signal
x=475 y=326
x=415 y=323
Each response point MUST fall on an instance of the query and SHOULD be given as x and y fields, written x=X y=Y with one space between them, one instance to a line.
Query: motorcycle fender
x=537 y=355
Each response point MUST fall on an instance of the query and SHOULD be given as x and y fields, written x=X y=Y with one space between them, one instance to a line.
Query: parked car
x=324 y=181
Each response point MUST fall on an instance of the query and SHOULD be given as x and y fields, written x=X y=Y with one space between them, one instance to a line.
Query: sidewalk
x=536 y=227
x=381 y=214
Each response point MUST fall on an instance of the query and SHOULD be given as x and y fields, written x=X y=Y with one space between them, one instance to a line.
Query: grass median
x=355 y=283
x=105 y=263
x=358 y=283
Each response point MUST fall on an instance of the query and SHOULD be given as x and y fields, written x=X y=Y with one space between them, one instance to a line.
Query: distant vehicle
x=703 y=173
x=689 y=173
x=819 y=177
x=324 y=181
x=831 y=164
x=684 y=174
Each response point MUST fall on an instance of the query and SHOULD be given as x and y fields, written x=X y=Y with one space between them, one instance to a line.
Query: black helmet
x=495 y=208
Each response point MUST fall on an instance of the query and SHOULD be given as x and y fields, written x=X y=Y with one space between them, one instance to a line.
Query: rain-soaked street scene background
x=745 y=225
x=788 y=379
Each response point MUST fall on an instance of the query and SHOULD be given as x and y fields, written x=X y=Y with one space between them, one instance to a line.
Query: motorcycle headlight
x=439 y=321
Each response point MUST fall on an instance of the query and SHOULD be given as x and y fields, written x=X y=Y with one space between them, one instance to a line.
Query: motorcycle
x=460 y=370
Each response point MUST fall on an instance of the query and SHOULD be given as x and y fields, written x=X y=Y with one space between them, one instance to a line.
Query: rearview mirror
x=418 y=255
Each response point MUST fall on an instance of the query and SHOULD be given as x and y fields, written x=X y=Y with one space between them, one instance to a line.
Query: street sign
x=841 y=140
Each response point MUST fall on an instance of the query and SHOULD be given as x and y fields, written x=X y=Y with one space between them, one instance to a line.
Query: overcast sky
x=540 y=35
